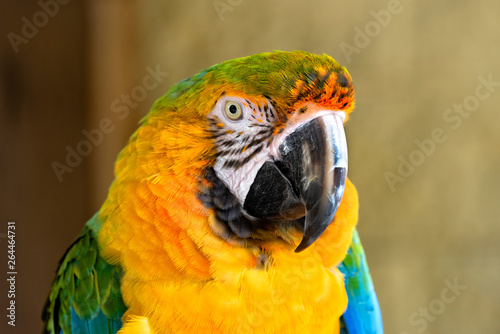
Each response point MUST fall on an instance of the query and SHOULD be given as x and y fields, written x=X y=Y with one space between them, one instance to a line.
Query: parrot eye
x=233 y=110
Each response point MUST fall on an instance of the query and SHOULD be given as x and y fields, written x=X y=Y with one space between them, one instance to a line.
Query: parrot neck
x=162 y=240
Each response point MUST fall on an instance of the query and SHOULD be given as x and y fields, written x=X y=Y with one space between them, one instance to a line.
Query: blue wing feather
x=99 y=324
x=363 y=311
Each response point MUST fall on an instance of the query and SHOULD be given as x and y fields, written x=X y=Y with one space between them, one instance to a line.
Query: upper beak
x=306 y=179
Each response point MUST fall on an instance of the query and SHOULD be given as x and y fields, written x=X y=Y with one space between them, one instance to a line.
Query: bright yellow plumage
x=226 y=288
x=176 y=269
x=226 y=214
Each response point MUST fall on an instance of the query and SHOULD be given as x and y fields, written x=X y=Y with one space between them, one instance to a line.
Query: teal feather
x=363 y=312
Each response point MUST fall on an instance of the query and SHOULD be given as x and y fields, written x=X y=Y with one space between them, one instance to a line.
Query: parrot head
x=264 y=137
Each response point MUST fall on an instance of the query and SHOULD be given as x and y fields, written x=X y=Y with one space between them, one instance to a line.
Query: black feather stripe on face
x=237 y=148
x=226 y=206
x=232 y=224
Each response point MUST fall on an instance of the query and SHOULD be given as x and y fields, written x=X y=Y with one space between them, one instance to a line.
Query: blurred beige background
x=423 y=141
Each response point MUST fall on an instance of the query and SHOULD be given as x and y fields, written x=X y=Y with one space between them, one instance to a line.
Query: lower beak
x=306 y=179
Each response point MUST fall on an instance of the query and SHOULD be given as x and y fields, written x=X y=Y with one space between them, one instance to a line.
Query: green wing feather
x=85 y=296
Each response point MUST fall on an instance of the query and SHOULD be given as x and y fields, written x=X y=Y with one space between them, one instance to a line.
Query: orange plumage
x=185 y=266
x=160 y=234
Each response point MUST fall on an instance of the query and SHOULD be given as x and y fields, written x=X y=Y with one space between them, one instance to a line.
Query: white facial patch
x=245 y=141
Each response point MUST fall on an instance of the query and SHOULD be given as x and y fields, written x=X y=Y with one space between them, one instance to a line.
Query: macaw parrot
x=230 y=212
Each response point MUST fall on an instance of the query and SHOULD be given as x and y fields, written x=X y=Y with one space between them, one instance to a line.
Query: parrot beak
x=306 y=179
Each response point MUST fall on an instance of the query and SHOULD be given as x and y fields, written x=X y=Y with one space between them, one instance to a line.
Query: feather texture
x=363 y=312
x=85 y=295
x=155 y=257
